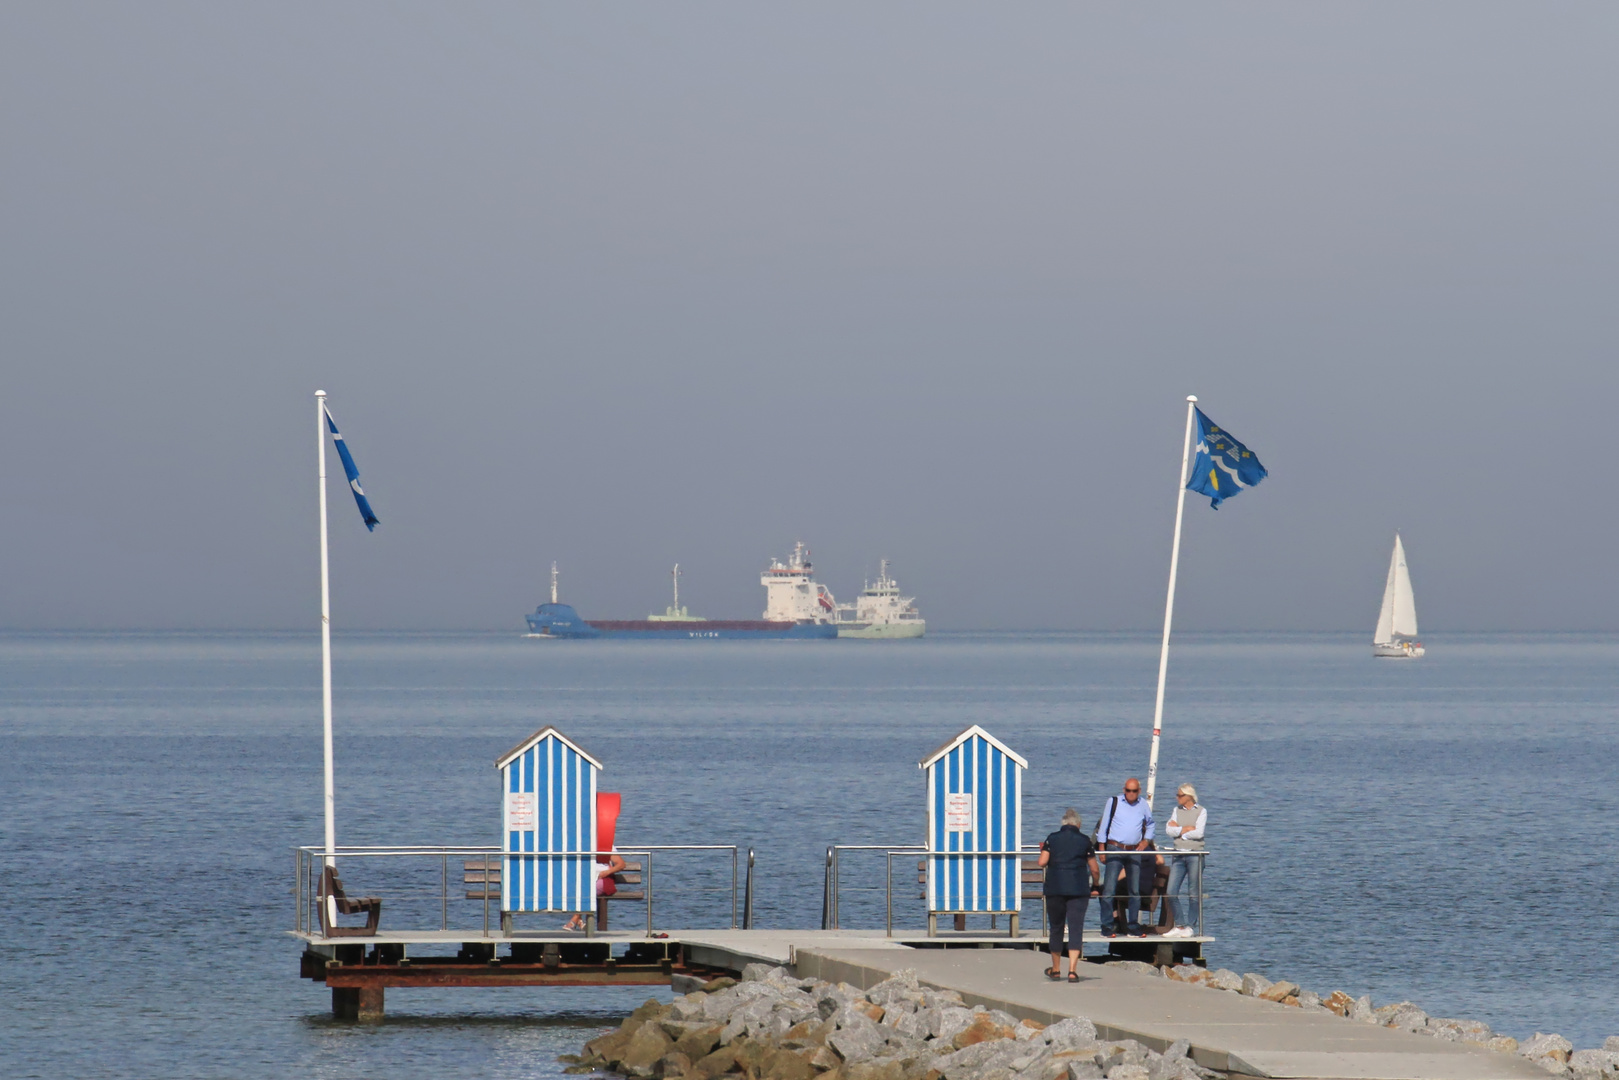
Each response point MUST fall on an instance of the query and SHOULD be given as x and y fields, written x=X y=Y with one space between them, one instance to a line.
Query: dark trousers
x=1131 y=864
x=1066 y=911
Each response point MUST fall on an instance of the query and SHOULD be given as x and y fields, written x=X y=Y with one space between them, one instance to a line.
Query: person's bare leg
x=1073 y=961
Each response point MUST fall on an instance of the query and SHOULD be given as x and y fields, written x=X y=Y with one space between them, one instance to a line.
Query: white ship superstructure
x=793 y=595
x=881 y=612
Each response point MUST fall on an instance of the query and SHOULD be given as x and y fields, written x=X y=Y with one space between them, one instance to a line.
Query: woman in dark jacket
x=1070 y=861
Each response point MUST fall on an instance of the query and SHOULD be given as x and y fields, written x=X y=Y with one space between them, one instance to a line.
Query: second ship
x=796 y=606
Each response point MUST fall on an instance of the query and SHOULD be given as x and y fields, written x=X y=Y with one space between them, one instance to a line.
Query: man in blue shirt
x=1126 y=825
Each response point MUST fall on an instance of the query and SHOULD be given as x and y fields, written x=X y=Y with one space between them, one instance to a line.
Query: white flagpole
x=325 y=630
x=1169 y=604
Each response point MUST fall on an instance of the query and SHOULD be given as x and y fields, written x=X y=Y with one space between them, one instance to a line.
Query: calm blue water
x=1441 y=831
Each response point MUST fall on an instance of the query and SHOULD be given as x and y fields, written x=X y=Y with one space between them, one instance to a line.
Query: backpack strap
x=1102 y=831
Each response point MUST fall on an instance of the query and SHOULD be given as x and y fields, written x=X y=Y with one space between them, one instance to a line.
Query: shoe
x=1139 y=931
x=1109 y=932
x=1054 y=974
x=1184 y=931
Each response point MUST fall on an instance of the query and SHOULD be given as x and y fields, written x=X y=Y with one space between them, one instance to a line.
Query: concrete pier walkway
x=1227 y=1031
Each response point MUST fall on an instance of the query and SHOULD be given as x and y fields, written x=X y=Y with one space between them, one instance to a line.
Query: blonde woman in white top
x=1186 y=826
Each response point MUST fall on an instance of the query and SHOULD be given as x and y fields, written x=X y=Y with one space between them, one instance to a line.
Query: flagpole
x=325 y=630
x=1169 y=603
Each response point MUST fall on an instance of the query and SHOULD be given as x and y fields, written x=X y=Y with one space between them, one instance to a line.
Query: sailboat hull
x=1398 y=650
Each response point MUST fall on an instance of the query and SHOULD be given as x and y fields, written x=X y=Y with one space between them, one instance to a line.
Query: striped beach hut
x=548 y=806
x=974 y=788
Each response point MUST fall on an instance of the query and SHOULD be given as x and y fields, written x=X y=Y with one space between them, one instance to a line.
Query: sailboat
x=1397 y=623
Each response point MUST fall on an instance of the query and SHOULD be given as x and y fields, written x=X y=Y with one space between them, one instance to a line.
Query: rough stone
x=724 y=982
x=1084 y=1070
x=673 y=1064
x=1611 y=1044
x=856 y=1043
x=881 y=1069
x=1339 y=1002
x=949 y=1020
x=1550 y=1052
x=1594 y=1064
x=918 y=1025
x=1502 y=1044
x=1225 y=979
x=1402 y=1016
x=1452 y=1030
x=898 y=1007
x=699 y=1042
x=811 y=1032
x=821 y=1058
x=1128 y=1072
x=763 y=972
x=645 y=1048
x=870 y=1010
x=1309 y=999
x=982 y=1029
x=1547 y=1046
x=939 y=999
x=980 y=1059
x=1070 y=1033
x=718 y=1063
x=1254 y=985
x=608 y=1048
x=901 y=984
x=786 y=1065
x=1362 y=1010
x=1278 y=991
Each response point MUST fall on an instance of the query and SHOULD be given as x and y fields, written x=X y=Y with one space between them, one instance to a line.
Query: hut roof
x=963 y=737
x=545 y=732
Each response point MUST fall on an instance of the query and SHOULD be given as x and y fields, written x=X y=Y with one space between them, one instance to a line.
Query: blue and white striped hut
x=975 y=804
x=548 y=805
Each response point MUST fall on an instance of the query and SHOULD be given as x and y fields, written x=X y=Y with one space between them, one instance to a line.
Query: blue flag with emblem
x=1221 y=466
x=352 y=471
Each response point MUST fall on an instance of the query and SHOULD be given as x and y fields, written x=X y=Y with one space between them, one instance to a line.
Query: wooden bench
x=334 y=902
x=485 y=875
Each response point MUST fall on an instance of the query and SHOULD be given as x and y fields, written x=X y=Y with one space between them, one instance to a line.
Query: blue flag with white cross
x=352 y=471
x=1221 y=466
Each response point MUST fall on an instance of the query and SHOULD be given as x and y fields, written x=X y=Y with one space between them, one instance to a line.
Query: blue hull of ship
x=562 y=621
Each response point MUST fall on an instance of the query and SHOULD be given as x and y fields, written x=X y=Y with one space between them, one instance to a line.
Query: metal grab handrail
x=308 y=857
x=833 y=888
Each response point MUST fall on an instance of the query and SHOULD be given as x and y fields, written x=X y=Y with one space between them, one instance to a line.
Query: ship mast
x=553 y=582
x=675 y=573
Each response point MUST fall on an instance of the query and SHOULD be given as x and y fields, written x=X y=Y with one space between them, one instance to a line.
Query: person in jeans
x=1185 y=826
x=1126 y=826
x=1069 y=858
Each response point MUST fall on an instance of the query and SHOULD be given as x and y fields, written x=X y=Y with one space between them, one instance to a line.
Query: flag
x=352 y=471
x=1221 y=466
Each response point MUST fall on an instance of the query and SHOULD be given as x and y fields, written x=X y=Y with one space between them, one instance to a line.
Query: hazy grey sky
x=620 y=285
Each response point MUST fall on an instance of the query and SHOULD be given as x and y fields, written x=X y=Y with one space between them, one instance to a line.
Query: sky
x=621 y=286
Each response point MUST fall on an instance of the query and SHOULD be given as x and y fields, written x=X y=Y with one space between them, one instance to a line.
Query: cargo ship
x=796 y=606
x=880 y=612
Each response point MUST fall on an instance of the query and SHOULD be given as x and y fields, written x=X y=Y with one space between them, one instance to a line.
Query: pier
x=484 y=916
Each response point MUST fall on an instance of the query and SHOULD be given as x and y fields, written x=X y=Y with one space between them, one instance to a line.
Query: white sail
x=1398 y=617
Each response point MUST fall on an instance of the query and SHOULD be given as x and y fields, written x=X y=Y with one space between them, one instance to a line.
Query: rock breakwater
x=774 y=1026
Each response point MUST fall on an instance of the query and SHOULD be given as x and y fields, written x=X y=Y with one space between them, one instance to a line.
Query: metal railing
x=834 y=888
x=413 y=884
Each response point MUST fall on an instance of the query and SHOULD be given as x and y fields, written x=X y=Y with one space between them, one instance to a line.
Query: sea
x=1444 y=831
